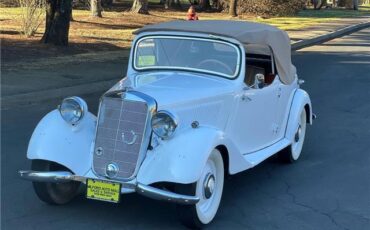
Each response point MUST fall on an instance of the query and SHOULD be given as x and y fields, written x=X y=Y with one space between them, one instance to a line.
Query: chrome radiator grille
x=120 y=136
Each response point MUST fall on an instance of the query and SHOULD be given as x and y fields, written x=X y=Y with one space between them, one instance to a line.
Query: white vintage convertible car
x=201 y=99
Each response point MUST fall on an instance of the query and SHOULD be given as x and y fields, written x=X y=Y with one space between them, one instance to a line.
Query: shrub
x=31 y=16
x=348 y=4
x=271 y=7
x=9 y=3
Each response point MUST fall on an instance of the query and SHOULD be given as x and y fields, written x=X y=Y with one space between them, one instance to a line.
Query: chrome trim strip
x=158 y=194
x=55 y=176
x=145 y=190
x=237 y=67
x=152 y=108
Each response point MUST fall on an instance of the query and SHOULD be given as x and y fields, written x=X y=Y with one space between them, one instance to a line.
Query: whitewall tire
x=208 y=188
x=293 y=151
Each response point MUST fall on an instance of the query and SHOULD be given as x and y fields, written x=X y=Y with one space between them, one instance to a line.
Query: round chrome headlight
x=164 y=124
x=72 y=109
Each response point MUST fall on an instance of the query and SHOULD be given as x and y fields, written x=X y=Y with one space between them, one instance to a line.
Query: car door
x=254 y=124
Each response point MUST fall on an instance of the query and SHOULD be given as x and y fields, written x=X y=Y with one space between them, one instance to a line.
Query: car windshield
x=194 y=54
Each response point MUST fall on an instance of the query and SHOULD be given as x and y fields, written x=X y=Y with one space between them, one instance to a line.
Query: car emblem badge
x=129 y=141
x=99 y=151
x=111 y=170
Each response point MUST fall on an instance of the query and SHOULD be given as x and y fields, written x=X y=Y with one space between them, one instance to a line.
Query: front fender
x=55 y=140
x=301 y=101
x=180 y=159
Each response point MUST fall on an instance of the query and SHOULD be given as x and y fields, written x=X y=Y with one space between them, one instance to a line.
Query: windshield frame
x=215 y=40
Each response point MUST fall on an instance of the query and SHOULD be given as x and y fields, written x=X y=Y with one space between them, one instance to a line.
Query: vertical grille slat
x=120 y=135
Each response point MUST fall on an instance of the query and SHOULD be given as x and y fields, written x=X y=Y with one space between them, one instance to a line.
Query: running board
x=257 y=157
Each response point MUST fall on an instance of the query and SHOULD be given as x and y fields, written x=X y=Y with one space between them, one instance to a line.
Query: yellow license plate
x=103 y=190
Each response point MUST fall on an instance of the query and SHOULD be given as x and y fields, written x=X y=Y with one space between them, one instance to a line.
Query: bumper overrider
x=145 y=190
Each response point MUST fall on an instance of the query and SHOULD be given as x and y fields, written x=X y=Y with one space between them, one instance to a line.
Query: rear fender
x=56 y=140
x=301 y=102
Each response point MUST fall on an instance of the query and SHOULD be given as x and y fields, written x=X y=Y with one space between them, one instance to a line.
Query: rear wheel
x=293 y=152
x=53 y=193
x=209 y=190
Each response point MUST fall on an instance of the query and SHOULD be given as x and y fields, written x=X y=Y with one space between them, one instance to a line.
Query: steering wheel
x=216 y=63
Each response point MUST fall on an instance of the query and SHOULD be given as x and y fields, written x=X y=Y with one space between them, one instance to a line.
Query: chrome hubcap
x=298 y=133
x=209 y=185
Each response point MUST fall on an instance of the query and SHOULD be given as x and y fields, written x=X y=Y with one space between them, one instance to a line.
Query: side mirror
x=259 y=81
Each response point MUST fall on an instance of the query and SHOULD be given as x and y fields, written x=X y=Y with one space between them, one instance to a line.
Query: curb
x=50 y=94
x=326 y=37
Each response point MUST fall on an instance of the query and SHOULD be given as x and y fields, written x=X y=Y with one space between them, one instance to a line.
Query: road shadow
x=18 y=50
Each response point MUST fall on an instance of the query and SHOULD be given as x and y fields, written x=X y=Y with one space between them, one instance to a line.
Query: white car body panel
x=251 y=129
x=55 y=140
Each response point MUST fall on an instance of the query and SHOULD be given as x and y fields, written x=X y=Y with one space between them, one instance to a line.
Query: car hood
x=178 y=88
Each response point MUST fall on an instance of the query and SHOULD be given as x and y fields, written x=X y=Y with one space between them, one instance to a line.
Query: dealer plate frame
x=90 y=180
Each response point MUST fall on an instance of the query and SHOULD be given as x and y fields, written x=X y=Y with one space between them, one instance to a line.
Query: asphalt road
x=328 y=188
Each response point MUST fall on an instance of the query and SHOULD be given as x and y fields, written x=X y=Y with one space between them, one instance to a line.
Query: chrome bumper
x=145 y=190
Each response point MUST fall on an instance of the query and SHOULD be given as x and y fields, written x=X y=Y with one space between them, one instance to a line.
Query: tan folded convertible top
x=245 y=32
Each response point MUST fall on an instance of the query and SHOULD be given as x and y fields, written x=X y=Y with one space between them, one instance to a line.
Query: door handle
x=246 y=98
x=246 y=95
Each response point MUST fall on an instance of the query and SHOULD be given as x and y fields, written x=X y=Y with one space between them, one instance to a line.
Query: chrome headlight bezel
x=164 y=117
x=72 y=109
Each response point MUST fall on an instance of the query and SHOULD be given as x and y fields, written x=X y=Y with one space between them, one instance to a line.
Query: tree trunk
x=315 y=3
x=140 y=7
x=232 y=10
x=71 y=17
x=341 y=3
x=204 y=4
x=58 y=16
x=355 y=4
x=348 y=4
x=172 y=4
x=106 y=3
x=96 y=8
x=323 y=2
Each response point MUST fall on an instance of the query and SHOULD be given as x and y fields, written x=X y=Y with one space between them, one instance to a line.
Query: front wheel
x=209 y=190
x=291 y=153
x=53 y=193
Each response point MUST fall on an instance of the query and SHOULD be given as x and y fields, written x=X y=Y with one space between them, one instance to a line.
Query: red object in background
x=191 y=15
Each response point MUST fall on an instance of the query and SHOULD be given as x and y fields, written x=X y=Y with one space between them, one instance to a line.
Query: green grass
x=310 y=17
x=335 y=13
x=293 y=23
